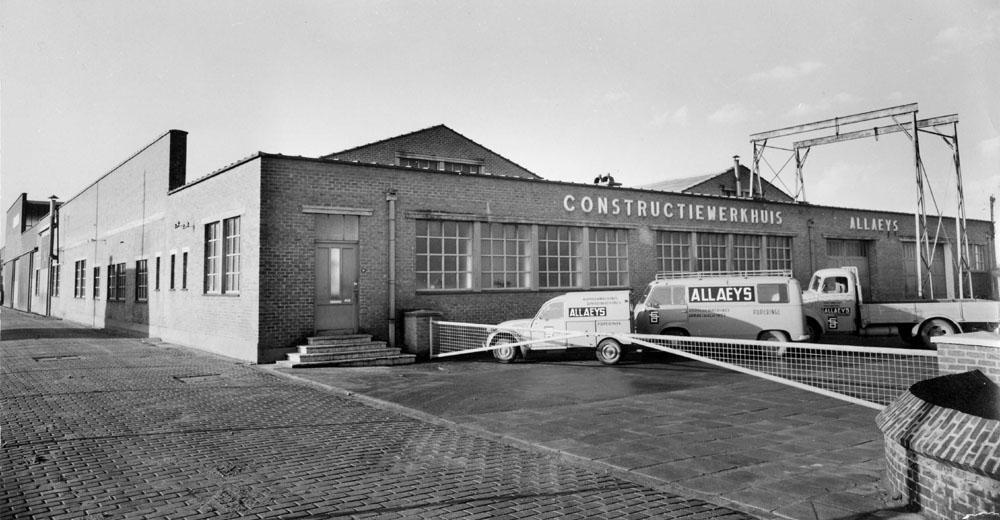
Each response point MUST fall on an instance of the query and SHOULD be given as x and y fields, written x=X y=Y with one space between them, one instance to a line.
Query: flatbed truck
x=833 y=304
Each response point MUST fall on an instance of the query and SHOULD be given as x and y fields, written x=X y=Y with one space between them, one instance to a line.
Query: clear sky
x=644 y=90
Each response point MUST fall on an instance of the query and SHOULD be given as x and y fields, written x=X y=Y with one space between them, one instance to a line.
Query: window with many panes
x=120 y=282
x=80 y=279
x=213 y=257
x=57 y=270
x=443 y=255
x=608 y=257
x=173 y=271
x=231 y=255
x=978 y=260
x=746 y=252
x=156 y=275
x=712 y=249
x=506 y=256
x=779 y=253
x=141 y=281
x=559 y=257
x=97 y=282
x=674 y=250
x=116 y=282
x=184 y=271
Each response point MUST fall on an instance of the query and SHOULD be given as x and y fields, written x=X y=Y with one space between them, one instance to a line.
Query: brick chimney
x=178 y=159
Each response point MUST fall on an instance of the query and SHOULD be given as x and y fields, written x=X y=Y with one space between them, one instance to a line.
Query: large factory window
x=97 y=282
x=443 y=255
x=746 y=252
x=722 y=252
x=559 y=257
x=712 y=249
x=478 y=256
x=674 y=249
x=506 y=256
x=779 y=253
x=608 y=257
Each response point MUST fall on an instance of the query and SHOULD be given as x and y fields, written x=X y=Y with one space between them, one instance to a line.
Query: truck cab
x=831 y=302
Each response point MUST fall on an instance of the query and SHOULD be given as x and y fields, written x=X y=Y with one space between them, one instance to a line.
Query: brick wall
x=964 y=352
x=130 y=214
x=940 y=459
x=287 y=277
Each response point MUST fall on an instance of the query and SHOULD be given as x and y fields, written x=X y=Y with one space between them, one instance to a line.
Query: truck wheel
x=908 y=337
x=815 y=331
x=505 y=353
x=775 y=335
x=609 y=351
x=935 y=327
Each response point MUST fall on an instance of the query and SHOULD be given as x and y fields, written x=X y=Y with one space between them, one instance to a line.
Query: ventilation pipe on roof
x=736 y=172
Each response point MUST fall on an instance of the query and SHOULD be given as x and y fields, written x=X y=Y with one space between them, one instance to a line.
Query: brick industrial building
x=253 y=258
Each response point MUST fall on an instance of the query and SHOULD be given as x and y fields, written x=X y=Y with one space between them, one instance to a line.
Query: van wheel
x=609 y=352
x=506 y=353
x=775 y=335
x=935 y=327
x=815 y=331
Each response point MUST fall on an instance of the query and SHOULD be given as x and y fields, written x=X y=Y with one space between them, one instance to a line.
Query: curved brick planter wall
x=942 y=444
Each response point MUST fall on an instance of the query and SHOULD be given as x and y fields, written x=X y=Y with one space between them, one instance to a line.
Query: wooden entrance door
x=336 y=288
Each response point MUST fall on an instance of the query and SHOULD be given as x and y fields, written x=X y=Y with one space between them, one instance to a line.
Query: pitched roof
x=428 y=129
x=678 y=184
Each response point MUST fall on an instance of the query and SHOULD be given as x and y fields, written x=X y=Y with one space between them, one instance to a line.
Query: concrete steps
x=353 y=350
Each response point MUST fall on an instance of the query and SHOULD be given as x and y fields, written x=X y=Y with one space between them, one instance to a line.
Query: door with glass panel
x=336 y=288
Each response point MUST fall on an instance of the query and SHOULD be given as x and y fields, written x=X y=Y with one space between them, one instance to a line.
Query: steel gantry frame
x=904 y=119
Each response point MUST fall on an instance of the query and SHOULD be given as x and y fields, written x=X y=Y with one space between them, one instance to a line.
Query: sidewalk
x=98 y=426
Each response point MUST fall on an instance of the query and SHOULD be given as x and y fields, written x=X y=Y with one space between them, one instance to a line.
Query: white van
x=758 y=305
x=559 y=321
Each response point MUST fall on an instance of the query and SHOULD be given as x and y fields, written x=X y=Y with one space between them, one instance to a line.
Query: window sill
x=221 y=295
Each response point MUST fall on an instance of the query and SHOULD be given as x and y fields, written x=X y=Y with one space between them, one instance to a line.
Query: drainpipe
x=390 y=197
x=53 y=255
x=736 y=172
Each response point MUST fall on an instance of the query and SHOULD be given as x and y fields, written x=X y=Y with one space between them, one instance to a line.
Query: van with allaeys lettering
x=598 y=320
x=756 y=305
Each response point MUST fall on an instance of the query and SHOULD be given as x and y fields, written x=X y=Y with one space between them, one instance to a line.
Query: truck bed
x=960 y=311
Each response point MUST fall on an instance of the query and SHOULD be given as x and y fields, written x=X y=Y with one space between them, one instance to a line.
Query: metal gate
x=869 y=376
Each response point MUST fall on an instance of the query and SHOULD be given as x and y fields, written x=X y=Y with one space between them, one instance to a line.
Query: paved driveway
x=702 y=431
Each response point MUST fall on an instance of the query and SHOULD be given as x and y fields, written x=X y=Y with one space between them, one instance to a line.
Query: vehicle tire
x=908 y=337
x=774 y=335
x=815 y=331
x=609 y=351
x=506 y=353
x=935 y=327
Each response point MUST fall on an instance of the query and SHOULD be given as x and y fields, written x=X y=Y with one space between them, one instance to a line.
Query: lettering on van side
x=842 y=311
x=746 y=293
x=588 y=312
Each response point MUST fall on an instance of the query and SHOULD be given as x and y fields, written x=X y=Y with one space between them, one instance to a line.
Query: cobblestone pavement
x=96 y=426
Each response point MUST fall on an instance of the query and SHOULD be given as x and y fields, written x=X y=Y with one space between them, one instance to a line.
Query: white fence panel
x=869 y=376
x=452 y=338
